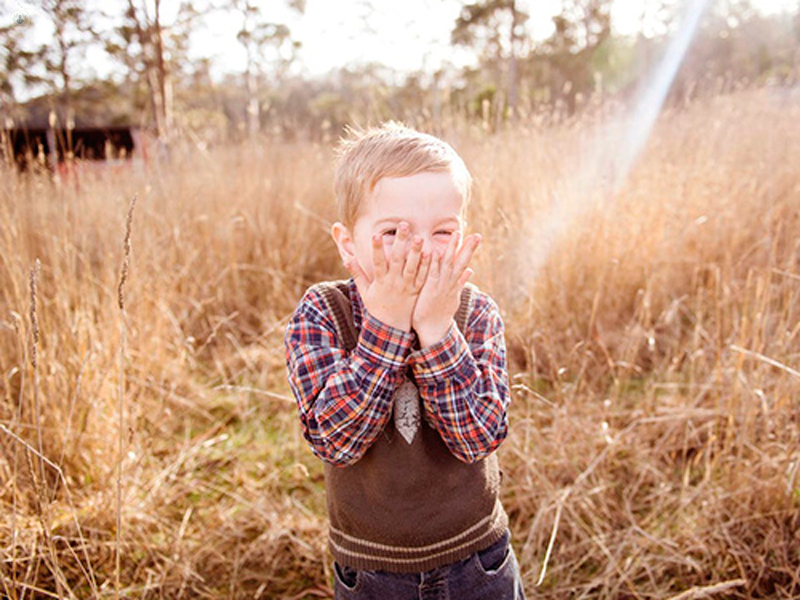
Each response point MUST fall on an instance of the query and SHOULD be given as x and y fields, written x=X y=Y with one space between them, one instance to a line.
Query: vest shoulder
x=319 y=288
x=481 y=301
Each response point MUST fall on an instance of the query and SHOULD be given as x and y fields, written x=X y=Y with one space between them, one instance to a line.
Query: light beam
x=607 y=159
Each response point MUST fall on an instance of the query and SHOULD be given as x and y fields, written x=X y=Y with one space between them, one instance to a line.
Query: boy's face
x=429 y=202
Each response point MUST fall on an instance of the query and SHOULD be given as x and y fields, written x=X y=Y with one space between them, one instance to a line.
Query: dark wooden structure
x=54 y=146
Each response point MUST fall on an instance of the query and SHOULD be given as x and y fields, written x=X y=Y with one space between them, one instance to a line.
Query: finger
x=400 y=247
x=435 y=269
x=467 y=251
x=378 y=256
x=465 y=277
x=422 y=272
x=450 y=251
x=412 y=262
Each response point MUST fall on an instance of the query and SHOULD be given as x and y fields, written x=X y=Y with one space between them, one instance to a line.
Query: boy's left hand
x=440 y=295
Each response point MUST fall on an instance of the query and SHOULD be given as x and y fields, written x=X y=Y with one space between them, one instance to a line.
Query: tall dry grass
x=653 y=338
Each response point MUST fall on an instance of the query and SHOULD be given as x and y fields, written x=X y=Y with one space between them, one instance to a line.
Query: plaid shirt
x=345 y=400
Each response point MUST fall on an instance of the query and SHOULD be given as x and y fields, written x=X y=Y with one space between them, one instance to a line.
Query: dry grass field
x=653 y=340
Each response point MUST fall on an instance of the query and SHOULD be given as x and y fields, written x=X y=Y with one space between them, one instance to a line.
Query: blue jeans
x=491 y=574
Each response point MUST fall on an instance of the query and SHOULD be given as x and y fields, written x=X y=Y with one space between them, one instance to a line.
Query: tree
x=72 y=34
x=258 y=36
x=581 y=29
x=498 y=27
x=736 y=44
x=16 y=62
x=151 y=50
x=15 y=69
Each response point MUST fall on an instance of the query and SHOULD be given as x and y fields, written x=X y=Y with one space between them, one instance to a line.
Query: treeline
x=159 y=88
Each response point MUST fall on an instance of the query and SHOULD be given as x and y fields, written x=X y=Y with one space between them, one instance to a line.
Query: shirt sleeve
x=463 y=383
x=344 y=399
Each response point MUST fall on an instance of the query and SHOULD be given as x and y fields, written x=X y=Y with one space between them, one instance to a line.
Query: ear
x=344 y=241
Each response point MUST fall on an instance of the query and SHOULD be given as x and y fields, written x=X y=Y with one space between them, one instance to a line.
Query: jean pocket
x=346 y=577
x=493 y=559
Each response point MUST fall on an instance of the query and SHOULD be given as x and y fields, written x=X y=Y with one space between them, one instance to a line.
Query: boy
x=401 y=384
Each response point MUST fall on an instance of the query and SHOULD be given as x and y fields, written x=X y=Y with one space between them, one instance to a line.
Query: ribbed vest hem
x=365 y=555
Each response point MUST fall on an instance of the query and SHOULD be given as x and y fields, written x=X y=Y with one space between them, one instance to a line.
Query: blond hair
x=390 y=150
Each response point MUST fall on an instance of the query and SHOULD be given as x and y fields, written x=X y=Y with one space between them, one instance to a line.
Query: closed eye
x=392 y=231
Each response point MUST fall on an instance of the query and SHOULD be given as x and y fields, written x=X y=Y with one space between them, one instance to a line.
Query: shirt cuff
x=440 y=360
x=383 y=344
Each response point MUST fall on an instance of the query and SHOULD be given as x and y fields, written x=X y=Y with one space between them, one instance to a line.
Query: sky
x=405 y=36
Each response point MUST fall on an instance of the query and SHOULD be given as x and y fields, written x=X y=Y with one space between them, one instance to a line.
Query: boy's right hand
x=391 y=293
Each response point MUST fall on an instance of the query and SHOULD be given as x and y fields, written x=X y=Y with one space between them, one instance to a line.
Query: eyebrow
x=398 y=219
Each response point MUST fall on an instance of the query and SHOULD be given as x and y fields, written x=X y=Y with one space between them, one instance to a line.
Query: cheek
x=363 y=254
x=439 y=243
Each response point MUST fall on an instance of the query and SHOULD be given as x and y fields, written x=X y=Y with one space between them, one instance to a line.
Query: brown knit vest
x=409 y=508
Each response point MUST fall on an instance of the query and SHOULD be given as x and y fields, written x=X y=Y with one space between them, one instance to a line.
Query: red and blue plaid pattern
x=344 y=400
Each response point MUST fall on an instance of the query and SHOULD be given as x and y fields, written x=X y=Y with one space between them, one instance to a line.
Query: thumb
x=468 y=272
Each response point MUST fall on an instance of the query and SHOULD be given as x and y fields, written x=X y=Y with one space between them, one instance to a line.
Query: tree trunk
x=149 y=75
x=512 y=63
x=162 y=77
x=67 y=116
x=253 y=117
x=796 y=57
x=253 y=108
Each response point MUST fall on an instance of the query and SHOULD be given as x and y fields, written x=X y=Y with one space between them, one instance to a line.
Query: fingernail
x=417 y=240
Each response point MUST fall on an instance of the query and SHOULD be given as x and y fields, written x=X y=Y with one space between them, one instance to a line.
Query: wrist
x=401 y=323
x=428 y=335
